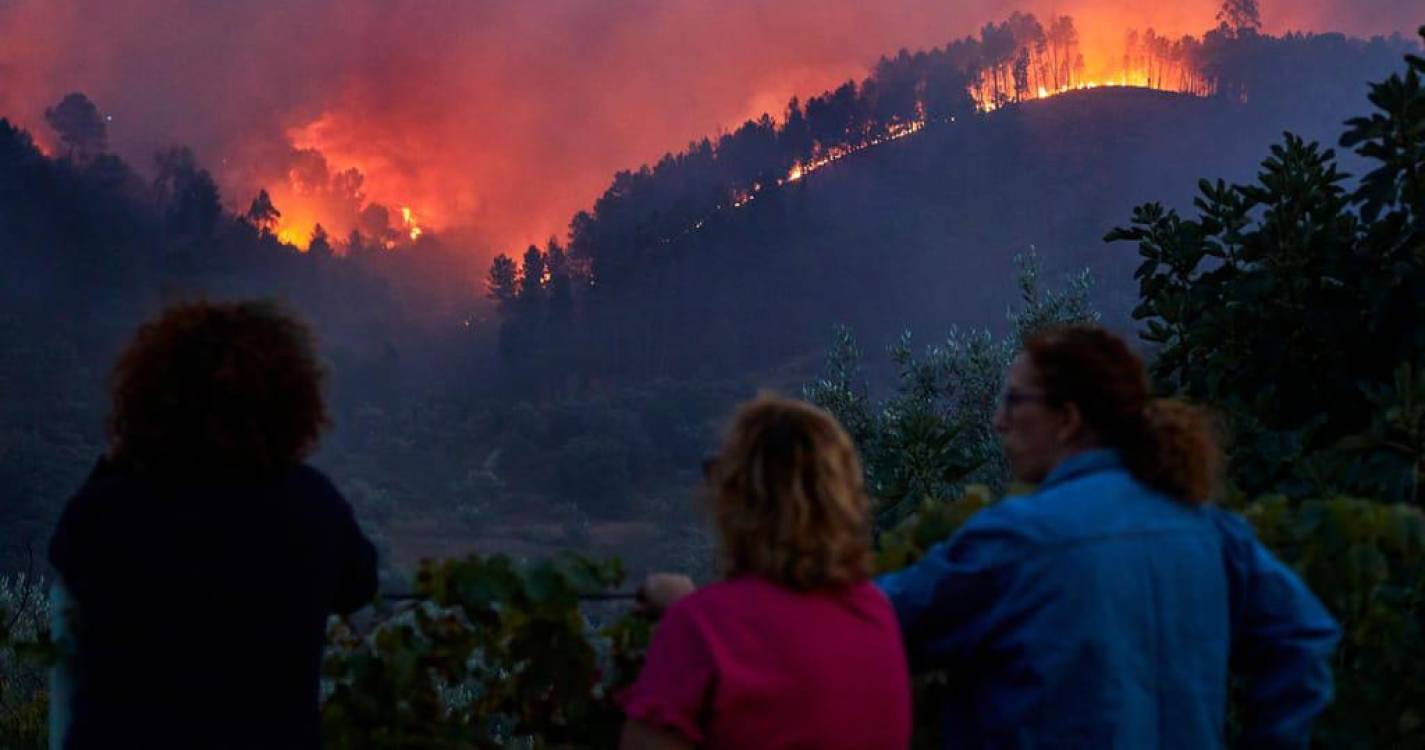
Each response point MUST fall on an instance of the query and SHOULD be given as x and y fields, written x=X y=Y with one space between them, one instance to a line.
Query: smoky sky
x=501 y=116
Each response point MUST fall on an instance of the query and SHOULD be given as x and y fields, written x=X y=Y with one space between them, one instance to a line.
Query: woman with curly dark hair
x=1116 y=604
x=202 y=556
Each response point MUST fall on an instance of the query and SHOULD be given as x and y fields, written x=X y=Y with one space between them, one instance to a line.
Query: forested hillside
x=900 y=200
x=895 y=202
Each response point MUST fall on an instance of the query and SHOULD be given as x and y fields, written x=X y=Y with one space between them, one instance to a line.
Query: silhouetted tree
x=559 y=292
x=187 y=193
x=1240 y=16
x=320 y=245
x=1021 y=75
x=997 y=45
x=795 y=138
x=946 y=83
x=532 y=279
x=79 y=124
x=375 y=222
x=832 y=117
x=502 y=283
x=357 y=248
x=261 y=213
x=1063 y=42
x=896 y=88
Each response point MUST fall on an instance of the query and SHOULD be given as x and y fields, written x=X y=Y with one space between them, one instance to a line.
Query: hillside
x=922 y=231
x=619 y=379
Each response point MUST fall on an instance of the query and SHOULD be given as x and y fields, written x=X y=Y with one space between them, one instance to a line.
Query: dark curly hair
x=217 y=392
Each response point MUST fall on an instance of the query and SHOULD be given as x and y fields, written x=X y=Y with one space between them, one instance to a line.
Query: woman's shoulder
x=105 y=483
x=310 y=479
x=310 y=485
x=760 y=595
x=720 y=594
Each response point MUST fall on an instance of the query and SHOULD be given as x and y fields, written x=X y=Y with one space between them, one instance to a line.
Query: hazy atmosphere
x=546 y=248
x=498 y=119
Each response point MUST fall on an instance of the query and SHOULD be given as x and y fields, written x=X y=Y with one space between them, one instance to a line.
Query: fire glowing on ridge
x=1023 y=60
x=408 y=219
x=321 y=190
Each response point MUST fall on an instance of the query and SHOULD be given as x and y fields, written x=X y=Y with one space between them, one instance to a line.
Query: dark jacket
x=201 y=612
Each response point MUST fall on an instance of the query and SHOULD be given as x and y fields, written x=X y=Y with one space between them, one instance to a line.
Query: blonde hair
x=788 y=497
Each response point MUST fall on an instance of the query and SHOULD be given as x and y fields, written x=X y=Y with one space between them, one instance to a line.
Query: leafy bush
x=1292 y=304
x=497 y=652
x=494 y=653
x=490 y=653
x=24 y=628
x=934 y=434
x=1366 y=561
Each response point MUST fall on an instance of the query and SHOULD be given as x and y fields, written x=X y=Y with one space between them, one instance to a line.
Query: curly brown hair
x=217 y=392
x=789 y=501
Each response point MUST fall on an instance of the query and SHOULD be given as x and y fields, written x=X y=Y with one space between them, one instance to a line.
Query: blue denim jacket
x=1099 y=613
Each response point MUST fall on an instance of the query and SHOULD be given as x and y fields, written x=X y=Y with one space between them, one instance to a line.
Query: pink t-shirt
x=747 y=663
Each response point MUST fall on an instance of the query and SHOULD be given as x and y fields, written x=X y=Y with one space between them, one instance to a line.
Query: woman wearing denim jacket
x=1109 y=607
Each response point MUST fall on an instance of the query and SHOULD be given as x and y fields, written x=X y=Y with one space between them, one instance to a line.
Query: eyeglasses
x=1010 y=398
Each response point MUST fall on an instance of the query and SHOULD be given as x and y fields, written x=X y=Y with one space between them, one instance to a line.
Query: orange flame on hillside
x=324 y=185
x=408 y=219
x=1027 y=60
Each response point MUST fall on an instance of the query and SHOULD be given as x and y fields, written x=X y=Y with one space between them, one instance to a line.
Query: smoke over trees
x=642 y=261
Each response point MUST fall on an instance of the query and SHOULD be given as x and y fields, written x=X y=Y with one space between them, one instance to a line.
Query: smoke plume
x=504 y=118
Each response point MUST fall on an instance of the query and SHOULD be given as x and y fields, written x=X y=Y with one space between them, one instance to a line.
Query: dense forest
x=613 y=353
x=730 y=238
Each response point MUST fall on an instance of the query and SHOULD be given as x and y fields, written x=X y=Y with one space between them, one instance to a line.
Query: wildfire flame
x=303 y=212
x=898 y=130
x=408 y=220
x=1064 y=64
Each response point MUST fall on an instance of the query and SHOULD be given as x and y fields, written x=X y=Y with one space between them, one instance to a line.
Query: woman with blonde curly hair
x=202 y=555
x=795 y=647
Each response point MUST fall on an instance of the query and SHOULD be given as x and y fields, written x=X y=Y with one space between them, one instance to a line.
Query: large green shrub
x=1292 y=304
x=488 y=654
x=933 y=434
x=1366 y=561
